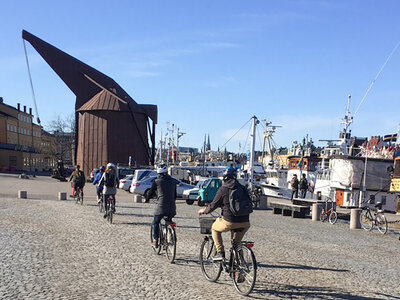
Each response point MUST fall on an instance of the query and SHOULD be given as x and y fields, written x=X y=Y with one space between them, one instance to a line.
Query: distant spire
x=208 y=146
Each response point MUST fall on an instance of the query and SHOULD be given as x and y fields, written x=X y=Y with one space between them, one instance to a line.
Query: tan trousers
x=220 y=225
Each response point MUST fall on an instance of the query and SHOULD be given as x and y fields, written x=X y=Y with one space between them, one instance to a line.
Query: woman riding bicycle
x=228 y=221
x=109 y=180
x=165 y=186
x=77 y=179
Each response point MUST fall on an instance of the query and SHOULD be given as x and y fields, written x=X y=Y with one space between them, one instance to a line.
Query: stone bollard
x=137 y=198
x=22 y=194
x=316 y=211
x=62 y=196
x=263 y=202
x=355 y=218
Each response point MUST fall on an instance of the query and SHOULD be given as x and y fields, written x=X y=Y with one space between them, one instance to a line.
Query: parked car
x=138 y=175
x=191 y=195
x=125 y=182
x=143 y=186
x=208 y=190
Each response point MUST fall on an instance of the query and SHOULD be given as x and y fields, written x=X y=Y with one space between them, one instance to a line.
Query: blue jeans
x=156 y=222
x=303 y=193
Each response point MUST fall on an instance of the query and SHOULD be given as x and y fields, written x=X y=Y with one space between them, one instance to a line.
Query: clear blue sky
x=211 y=65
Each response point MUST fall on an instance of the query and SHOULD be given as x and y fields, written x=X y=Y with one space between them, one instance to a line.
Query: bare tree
x=63 y=129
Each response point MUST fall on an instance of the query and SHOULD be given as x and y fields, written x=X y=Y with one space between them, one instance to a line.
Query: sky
x=210 y=66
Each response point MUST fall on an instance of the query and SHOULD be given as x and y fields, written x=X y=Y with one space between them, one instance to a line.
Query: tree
x=63 y=129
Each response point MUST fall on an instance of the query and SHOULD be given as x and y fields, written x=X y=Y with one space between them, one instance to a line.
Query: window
x=371 y=199
x=383 y=200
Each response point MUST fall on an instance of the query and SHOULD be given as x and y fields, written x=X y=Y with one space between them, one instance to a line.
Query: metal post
x=253 y=142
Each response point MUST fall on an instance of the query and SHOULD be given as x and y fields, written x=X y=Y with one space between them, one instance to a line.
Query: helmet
x=110 y=166
x=162 y=169
x=102 y=168
x=230 y=172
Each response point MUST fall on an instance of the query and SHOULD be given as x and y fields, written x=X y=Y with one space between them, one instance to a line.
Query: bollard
x=62 y=196
x=137 y=198
x=22 y=194
x=263 y=202
x=355 y=218
x=316 y=211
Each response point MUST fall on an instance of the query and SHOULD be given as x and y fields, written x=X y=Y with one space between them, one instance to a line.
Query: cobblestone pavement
x=51 y=249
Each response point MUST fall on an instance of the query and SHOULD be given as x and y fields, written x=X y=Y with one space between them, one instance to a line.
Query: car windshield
x=199 y=184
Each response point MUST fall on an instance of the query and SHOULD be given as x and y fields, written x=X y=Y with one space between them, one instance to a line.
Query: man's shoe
x=219 y=256
x=105 y=215
x=154 y=243
x=240 y=277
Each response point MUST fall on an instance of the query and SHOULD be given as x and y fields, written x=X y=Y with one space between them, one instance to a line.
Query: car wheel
x=189 y=201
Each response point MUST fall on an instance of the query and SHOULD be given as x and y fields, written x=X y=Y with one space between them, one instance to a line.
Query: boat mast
x=253 y=142
x=345 y=136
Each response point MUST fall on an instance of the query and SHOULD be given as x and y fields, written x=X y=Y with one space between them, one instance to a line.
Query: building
x=21 y=143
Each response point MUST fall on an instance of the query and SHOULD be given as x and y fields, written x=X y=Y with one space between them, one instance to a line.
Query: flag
x=390 y=137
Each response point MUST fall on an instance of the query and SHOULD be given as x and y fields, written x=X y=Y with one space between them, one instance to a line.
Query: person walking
x=303 y=186
x=294 y=183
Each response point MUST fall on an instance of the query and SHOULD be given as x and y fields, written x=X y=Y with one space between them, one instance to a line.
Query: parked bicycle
x=78 y=195
x=255 y=195
x=110 y=209
x=166 y=239
x=241 y=265
x=368 y=219
x=329 y=214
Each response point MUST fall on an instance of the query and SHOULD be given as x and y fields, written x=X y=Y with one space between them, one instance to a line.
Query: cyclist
x=96 y=181
x=77 y=179
x=165 y=186
x=109 y=182
x=228 y=221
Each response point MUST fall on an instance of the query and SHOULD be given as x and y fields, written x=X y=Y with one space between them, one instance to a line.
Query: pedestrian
x=294 y=183
x=303 y=186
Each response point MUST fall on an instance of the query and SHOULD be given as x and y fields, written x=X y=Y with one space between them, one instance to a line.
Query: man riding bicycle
x=109 y=181
x=228 y=221
x=77 y=179
x=165 y=186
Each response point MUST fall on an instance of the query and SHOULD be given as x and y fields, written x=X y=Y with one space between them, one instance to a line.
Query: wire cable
x=30 y=79
x=376 y=77
x=235 y=133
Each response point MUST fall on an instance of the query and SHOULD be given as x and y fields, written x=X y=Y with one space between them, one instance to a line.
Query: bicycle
x=100 y=203
x=166 y=238
x=78 y=195
x=329 y=214
x=378 y=219
x=255 y=195
x=241 y=265
x=110 y=208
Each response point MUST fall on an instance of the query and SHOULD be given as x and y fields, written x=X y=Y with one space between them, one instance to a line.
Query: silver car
x=143 y=187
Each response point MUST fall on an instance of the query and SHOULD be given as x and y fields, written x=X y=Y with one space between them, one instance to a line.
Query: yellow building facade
x=21 y=142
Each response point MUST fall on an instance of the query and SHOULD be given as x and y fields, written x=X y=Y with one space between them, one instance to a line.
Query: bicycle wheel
x=210 y=269
x=156 y=249
x=110 y=216
x=323 y=216
x=170 y=243
x=366 y=220
x=101 y=208
x=381 y=223
x=244 y=270
x=332 y=217
x=81 y=196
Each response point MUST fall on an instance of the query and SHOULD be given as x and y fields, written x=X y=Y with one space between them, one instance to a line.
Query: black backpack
x=240 y=202
x=110 y=180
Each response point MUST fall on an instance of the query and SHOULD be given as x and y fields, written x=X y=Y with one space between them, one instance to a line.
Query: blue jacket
x=97 y=180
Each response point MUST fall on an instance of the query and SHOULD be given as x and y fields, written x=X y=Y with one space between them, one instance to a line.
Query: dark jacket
x=303 y=184
x=165 y=186
x=221 y=199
